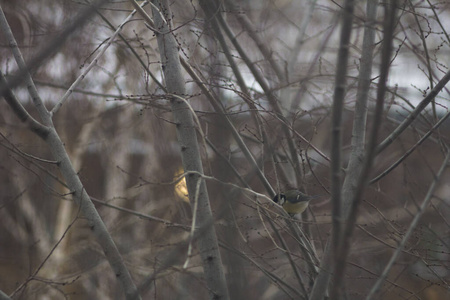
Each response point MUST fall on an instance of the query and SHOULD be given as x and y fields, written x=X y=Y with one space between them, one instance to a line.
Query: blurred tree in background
x=101 y=130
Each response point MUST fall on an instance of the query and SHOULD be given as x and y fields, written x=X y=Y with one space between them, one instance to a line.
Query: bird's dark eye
x=276 y=198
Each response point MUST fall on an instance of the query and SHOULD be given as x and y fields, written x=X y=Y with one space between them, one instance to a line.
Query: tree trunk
x=187 y=138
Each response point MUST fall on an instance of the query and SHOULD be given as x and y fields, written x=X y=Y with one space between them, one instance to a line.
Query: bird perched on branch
x=293 y=201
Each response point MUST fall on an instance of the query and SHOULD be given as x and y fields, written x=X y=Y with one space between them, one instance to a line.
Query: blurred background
x=118 y=130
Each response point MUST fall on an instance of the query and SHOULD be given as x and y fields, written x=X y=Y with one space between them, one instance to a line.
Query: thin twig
x=344 y=244
x=41 y=265
x=140 y=215
x=411 y=150
x=43 y=112
x=415 y=113
x=49 y=49
x=93 y=63
x=194 y=221
x=411 y=228
x=336 y=134
x=20 y=152
x=18 y=109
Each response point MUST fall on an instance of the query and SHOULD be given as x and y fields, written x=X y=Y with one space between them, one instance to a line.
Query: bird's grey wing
x=301 y=198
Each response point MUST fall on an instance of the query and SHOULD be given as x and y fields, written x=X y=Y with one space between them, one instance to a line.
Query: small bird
x=293 y=201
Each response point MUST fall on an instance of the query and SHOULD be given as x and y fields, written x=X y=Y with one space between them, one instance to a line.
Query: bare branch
x=93 y=63
x=3 y=296
x=23 y=115
x=187 y=138
x=52 y=46
x=415 y=113
x=411 y=228
x=336 y=130
x=23 y=68
x=411 y=150
x=358 y=141
x=343 y=250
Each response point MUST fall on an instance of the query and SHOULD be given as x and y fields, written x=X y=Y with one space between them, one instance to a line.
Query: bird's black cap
x=278 y=197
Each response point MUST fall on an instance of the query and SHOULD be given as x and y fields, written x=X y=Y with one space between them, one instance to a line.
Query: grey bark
x=354 y=202
x=358 y=141
x=187 y=138
x=48 y=133
x=88 y=211
x=3 y=296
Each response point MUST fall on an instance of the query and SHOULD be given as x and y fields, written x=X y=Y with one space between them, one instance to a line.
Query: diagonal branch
x=93 y=63
x=19 y=110
x=336 y=126
x=50 y=136
x=411 y=150
x=23 y=67
x=415 y=113
x=358 y=141
x=185 y=127
x=218 y=108
x=3 y=296
x=269 y=94
x=411 y=228
x=53 y=45
x=344 y=244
